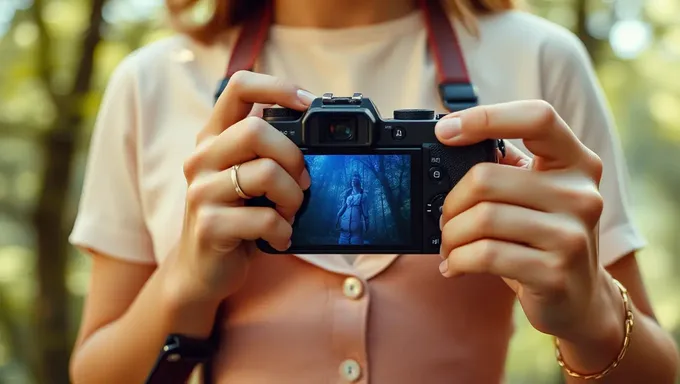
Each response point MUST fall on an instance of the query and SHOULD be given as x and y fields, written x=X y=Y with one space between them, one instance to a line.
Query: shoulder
x=143 y=60
x=520 y=27
x=526 y=33
x=154 y=66
x=519 y=55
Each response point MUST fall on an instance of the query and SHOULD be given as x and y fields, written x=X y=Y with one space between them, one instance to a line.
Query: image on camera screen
x=356 y=200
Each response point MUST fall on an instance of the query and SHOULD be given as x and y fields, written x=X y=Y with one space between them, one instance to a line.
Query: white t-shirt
x=162 y=95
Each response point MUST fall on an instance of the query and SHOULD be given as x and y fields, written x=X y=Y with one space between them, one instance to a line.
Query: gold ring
x=237 y=187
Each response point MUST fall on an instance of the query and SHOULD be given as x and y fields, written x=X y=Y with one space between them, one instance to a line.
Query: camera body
x=378 y=185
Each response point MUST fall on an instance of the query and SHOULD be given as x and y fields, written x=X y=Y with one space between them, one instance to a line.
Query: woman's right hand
x=212 y=258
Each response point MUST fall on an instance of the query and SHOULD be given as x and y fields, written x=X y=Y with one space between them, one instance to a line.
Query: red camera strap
x=455 y=88
x=250 y=41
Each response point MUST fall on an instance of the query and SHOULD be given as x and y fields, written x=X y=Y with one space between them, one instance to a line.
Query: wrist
x=601 y=335
x=189 y=311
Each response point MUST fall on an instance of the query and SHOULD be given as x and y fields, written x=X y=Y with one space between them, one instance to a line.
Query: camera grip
x=457 y=161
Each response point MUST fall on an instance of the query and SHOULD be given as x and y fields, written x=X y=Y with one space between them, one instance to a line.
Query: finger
x=528 y=266
x=561 y=192
x=508 y=223
x=246 y=140
x=221 y=227
x=501 y=184
x=265 y=177
x=543 y=131
x=247 y=88
x=260 y=177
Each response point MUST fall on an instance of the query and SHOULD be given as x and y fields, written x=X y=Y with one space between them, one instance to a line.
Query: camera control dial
x=280 y=114
x=413 y=114
x=435 y=206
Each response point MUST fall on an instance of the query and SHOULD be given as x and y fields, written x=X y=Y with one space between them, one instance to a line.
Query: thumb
x=449 y=131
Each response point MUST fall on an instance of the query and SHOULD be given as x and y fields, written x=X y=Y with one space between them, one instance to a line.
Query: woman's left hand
x=534 y=223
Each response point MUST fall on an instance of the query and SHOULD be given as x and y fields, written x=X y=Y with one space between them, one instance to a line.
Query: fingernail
x=448 y=128
x=441 y=222
x=291 y=221
x=290 y=242
x=305 y=97
x=444 y=266
x=305 y=180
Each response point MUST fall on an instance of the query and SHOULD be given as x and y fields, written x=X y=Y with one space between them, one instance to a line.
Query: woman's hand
x=211 y=262
x=534 y=223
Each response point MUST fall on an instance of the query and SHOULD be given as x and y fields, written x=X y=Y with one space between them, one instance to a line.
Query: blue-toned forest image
x=358 y=200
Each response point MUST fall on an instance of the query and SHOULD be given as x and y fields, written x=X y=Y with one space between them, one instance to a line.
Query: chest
x=395 y=74
x=406 y=325
x=354 y=199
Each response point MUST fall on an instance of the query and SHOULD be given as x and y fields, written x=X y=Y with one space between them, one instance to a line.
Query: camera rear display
x=356 y=201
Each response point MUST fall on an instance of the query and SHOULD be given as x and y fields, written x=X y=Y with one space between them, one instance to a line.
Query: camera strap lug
x=501 y=146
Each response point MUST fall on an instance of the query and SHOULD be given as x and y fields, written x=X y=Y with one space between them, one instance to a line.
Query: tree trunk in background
x=593 y=45
x=54 y=342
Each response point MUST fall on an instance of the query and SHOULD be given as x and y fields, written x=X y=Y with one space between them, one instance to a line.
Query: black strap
x=180 y=356
x=455 y=89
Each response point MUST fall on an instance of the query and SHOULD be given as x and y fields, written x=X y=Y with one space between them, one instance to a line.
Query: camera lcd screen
x=356 y=200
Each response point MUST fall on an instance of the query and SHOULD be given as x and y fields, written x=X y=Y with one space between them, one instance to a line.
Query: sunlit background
x=56 y=57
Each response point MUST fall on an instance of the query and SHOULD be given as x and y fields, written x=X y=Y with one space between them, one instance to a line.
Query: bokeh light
x=629 y=38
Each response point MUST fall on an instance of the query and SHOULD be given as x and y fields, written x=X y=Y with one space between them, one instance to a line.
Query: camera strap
x=454 y=86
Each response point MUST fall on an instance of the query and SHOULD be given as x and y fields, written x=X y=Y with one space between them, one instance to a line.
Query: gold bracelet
x=626 y=342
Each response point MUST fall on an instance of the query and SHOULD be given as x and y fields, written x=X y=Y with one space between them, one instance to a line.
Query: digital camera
x=378 y=185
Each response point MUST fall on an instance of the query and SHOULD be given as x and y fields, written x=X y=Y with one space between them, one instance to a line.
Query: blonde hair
x=227 y=13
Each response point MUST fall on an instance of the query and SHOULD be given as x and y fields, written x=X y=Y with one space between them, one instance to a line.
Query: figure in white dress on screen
x=352 y=218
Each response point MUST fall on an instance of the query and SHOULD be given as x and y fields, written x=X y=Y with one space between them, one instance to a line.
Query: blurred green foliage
x=54 y=66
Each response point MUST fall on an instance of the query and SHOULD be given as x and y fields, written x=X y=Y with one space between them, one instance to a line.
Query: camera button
x=436 y=174
x=398 y=133
x=414 y=114
x=435 y=207
x=435 y=160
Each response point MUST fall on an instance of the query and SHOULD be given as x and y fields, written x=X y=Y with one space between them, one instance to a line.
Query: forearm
x=125 y=350
x=652 y=356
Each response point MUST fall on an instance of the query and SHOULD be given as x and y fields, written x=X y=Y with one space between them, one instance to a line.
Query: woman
x=169 y=246
x=352 y=218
